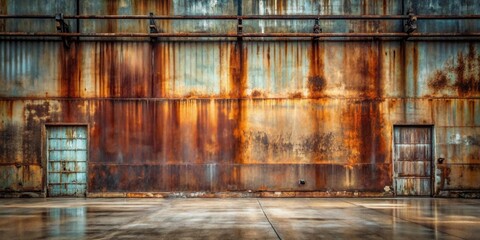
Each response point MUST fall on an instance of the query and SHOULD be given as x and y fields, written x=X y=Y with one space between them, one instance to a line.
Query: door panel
x=413 y=169
x=413 y=186
x=67 y=161
x=413 y=160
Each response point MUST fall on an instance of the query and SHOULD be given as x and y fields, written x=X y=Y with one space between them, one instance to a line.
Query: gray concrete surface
x=61 y=218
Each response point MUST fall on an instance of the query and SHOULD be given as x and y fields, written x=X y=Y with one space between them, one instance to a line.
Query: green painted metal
x=67 y=160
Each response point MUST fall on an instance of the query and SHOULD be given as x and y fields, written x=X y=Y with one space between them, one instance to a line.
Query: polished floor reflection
x=307 y=218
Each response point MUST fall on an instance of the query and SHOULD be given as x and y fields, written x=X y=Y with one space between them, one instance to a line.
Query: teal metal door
x=67 y=161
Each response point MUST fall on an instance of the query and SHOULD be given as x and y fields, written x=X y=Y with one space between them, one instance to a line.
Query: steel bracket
x=316 y=28
x=411 y=24
x=153 y=27
x=62 y=27
x=239 y=27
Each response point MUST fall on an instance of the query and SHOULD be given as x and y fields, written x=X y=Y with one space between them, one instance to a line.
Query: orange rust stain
x=466 y=80
x=369 y=71
x=473 y=111
x=415 y=68
x=277 y=5
x=321 y=140
x=384 y=7
x=237 y=70
x=171 y=74
x=316 y=78
x=240 y=115
x=464 y=70
x=403 y=65
x=364 y=74
x=161 y=65
x=438 y=81
x=268 y=65
x=164 y=7
x=123 y=70
x=105 y=71
x=165 y=135
x=70 y=70
x=9 y=109
x=235 y=178
x=364 y=8
x=257 y=94
x=295 y=95
x=364 y=126
x=378 y=65
x=112 y=9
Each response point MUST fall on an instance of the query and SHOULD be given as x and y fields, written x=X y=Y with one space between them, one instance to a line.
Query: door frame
x=44 y=151
x=431 y=126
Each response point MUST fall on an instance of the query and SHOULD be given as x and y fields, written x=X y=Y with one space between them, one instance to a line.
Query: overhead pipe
x=247 y=17
x=251 y=35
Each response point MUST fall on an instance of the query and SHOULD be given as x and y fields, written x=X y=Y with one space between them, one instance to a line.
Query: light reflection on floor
x=306 y=218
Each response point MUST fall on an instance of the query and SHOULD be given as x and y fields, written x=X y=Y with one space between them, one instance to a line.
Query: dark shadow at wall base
x=459 y=194
x=246 y=194
x=22 y=195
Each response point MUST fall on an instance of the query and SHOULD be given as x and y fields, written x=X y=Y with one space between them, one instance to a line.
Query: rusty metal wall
x=193 y=116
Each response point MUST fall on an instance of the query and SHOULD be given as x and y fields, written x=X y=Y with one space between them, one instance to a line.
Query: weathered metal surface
x=449 y=70
x=244 y=17
x=226 y=117
x=66 y=160
x=32 y=8
x=413 y=160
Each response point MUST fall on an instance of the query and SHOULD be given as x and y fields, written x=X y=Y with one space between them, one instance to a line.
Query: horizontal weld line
x=252 y=17
x=245 y=39
x=233 y=164
x=20 y=164
x=233 y=99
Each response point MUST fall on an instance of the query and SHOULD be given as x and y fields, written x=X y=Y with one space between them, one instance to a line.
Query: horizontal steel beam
x=246 y=17
x=250 y=35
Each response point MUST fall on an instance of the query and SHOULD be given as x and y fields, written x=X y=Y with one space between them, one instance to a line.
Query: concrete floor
x=60 y=218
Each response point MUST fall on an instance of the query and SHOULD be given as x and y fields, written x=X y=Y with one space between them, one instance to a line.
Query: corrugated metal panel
x=208 y=7
x=311 y=7
x=194 y=69
x=125 y=7
x=67 y=161
x=27 y=68
x=439 y=69
x=115 y=70
x=278 y=69
x=13 y=7
x=216 y=136
x=252 y=116
x=459 y=7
